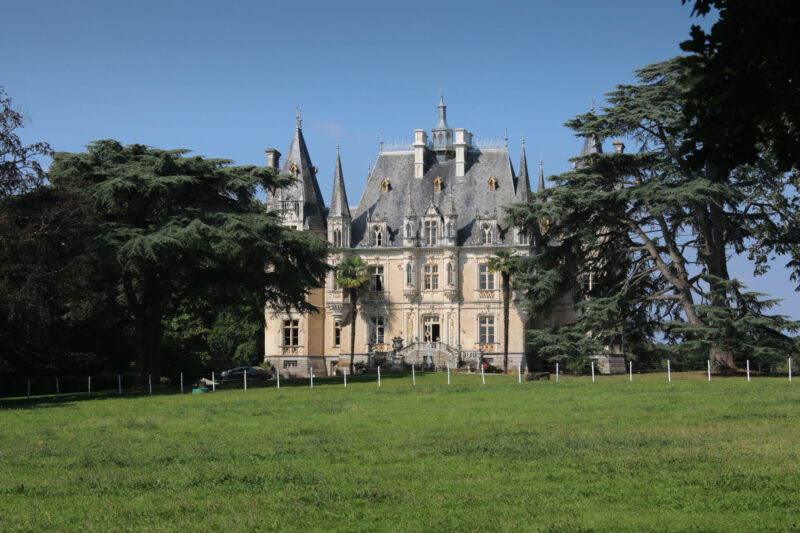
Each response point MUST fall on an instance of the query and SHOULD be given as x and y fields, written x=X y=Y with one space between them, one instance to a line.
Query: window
x=291 y=330
x=450 y=233
x=409 y=234
x=430 y=232
x=522 y=237
x=409 y=275
x=431 y=277
x=377 y=236
x=376 y=279
x=485 y=278
x=492 y=183
x=290 y=364
x=486 y=234
x=337 y=237
x=437 y=185
x=376 y=329
x=385 y=185
x=294 y=170
x=449 y=274
x=486 y=333
x=337 y=333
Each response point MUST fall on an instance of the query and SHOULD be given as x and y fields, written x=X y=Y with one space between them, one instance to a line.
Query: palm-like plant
x=506 y=263
x=352 y=275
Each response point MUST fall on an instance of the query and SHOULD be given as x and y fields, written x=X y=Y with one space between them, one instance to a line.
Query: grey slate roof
x=339 y=207
x=470 y=194
x=306 y=189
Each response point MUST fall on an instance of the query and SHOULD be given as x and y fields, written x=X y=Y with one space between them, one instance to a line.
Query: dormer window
x=431 y=230
x=492 y=183
x=294 y=170
x=377 y=236
x=385 y=185
x=437 y=184
x=486 y=234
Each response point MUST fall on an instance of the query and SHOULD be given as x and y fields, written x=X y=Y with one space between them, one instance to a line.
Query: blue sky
x=223 y=78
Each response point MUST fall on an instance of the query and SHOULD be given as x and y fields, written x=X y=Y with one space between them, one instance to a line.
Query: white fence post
x=245 y=379
x=150 y=382
x=379 y=375
x=630 y=364
x=709 y=370
x=413 y=375
x=119 y=384
x=790 y=370
x=448 y=373
x=556 y=372
x=311 y=375
x=669 y=372
x=592 y=371
x=345 y=378
x=181 y=382
x=214 y=382
x=748 y=370
x=519 y=372
x=89 y=392
x=483 y=376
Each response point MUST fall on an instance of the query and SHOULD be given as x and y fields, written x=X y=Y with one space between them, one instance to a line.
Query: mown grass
x=540 y=456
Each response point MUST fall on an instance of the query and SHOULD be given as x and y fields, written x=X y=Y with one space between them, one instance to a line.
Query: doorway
x=431 y=328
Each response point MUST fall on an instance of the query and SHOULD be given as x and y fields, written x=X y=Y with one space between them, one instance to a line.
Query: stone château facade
x=431 y=216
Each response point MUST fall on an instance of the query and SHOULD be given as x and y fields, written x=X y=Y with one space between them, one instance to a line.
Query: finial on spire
x=381 y=142
x=505 y=140
x=299 y=118
x=592 y=109
x=369 y=167
x=523 y=140
x=337 y=149
x=441 y=96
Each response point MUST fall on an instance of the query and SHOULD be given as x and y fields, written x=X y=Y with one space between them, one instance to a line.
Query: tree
x=504 y=262
x=743 y=81
x=646 y=236
x=20 y=170
x=352 y=276
x=175 y=227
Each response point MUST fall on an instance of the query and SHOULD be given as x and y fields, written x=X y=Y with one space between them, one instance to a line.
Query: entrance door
x=431 y=328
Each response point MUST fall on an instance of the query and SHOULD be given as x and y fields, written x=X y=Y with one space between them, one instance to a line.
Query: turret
x=339 y=215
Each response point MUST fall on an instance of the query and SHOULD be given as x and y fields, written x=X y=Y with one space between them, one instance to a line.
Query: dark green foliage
x=180 y=228
x=636 y=239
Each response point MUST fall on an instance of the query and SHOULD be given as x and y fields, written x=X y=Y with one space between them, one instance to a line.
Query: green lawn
x=541 y=456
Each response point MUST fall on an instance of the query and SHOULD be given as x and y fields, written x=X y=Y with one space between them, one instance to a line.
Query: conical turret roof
x=339 y=207
x=523 y=182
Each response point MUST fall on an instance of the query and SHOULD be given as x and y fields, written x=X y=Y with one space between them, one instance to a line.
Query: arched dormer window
x=486 y=234
x=431 y=230
x=385 y=185
x=450 y=230
x=337 y=237
x=408 y=231
x=294 y=170
x=437 y=184
x=492 y=183
x=377 y=236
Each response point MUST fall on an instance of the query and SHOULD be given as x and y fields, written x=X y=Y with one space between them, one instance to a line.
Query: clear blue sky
x=223 y=78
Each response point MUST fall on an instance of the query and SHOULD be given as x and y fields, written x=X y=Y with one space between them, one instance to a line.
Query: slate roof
x=306 y=189
x=471 y=196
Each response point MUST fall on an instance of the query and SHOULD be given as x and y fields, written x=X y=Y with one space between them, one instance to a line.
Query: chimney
x=461 y=144
x=273 y=157
x=619 y=146
x=420 y=145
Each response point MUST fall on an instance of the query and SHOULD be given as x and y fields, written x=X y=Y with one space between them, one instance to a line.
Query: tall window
x=449 y=274
x=409 y=275
x=409 y=235
x=431 y=277
x=291 y=332
x=485 y=278
x=522 y=237
x=376 y=279
x=337 y=237
x=376 y=329
x=486 y=234
x=337 y=333
x=486 y=333
x=377 y=236
x=430 y=232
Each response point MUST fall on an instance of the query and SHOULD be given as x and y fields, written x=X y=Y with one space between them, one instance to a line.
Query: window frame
x=291 y=332
x=487 y=329
x=486 y=278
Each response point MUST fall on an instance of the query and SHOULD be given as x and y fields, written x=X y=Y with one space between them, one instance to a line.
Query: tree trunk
x=354 y=315
x=506 y=303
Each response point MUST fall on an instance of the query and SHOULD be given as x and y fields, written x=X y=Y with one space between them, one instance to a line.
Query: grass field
x=541 y=456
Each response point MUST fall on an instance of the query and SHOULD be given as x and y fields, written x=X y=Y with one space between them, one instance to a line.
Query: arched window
x=437 y=184
x=337 y=237
x=492 y=183
x=450 y=233
x=486 y=234
x=377 y=236
x=430 y=232
x=385 y=185
x=408 y=231
x=409 y=275
x=449 y=274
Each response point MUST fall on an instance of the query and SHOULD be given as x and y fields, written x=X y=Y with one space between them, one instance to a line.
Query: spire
x=299 y=118
x=541 y=177
x=442 y=124
x=339 y=206
x=591 y=145
x=442 y=134
x=524 y=182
